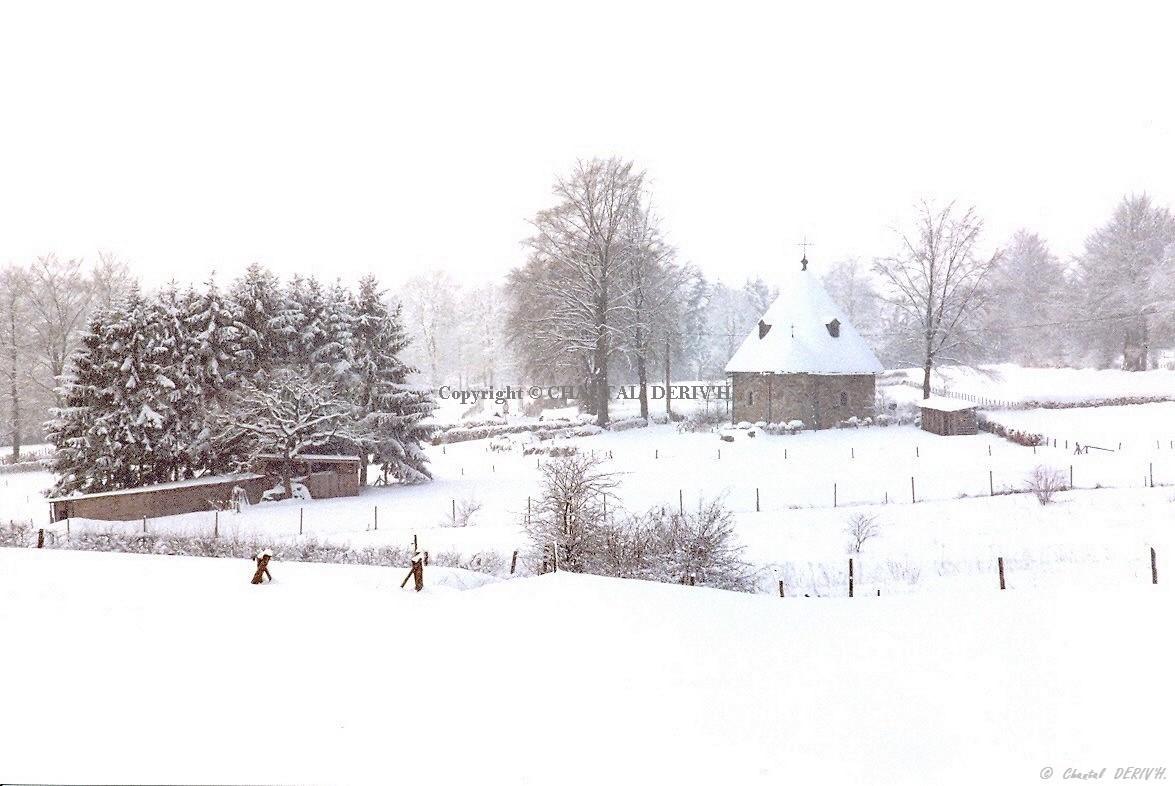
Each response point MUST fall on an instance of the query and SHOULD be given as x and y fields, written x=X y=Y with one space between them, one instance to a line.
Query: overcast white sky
x=340 y=138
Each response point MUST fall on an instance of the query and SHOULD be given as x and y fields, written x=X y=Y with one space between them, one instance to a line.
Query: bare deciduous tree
x=570 y=301
x=937 y=282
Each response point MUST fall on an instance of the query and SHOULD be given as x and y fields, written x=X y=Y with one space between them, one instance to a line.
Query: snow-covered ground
x=1008 y=382
x=948 y=541
x=125 y=668
x=1133 y=427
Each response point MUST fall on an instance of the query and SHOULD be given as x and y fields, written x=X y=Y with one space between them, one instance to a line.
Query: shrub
x=464 y=511
x=861 y=528
x=700 y=420
x=627 y=423
x=1044 y=482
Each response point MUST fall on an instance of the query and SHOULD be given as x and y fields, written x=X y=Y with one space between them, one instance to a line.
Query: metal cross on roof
x=804 y=245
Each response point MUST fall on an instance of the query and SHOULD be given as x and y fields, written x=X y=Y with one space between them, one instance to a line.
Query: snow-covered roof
x=798 y=339
x=323 y=457
x=204 y=480
x=944 y=404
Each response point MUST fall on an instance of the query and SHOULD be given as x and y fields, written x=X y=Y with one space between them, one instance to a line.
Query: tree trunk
x=642 y=378
x=926 y=378
x=16 y=418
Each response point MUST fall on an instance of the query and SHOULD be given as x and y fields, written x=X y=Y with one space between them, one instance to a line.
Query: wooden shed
x=323 y=475
x=948 y=416
x=163 y=499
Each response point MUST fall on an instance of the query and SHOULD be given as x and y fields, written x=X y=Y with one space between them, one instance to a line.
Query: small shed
x=948 y=416
x=323 y=475
x=161 y=499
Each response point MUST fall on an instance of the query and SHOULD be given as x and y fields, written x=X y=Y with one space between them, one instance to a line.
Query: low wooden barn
x=163 y=499
x=804 y=361
x=949 y=416
x=324 y=475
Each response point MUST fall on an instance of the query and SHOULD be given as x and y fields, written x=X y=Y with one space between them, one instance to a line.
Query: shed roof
x=944 y=404
x=204 y=480
x=324 y=458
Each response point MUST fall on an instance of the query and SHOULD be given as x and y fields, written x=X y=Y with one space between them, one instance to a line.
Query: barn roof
x=804 y=332
x=203 y=480
x=944 y=404
x=322 y=458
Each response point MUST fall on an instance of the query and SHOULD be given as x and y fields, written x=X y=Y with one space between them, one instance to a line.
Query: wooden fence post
x=1070 y=477
x=1001 y=564
x=453 y=507
x=680 y=503
x=1154 y=567
x=299 y=521
x=756 y=499
x=144 y=524
x=850 y=577
x=990 y=484
x=40 y=538
x=1152 y=474
x=513 y=562
x=216 y=524
x=375 y=517
x=781 y=588
x=834 y=495
x=912 y=497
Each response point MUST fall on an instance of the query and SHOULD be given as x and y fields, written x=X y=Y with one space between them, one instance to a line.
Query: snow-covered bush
x=569 y=432
x=699 y=420
x=463 y=513
x=790 y=427
x=1025 y=438
x=627 y=423
x=905 y=572
x=550 y=450
x=659 y=418
x=1044 y=482
x=861 y=528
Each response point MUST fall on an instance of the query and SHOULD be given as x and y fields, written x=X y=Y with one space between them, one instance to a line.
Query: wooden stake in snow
x=144 y=523
x=990 y=484
x=680 y=503
x=513 y=561
x=453 y=507
x=1154 y=567
x=375 y=517
x=912 y=497
x=40 y=538
x=262 y=560
x=781 y=588
x=299 y=521
x=850 y=577
x=415 y=572
x=834 y=495
x=756 y=500
x=1000 y=561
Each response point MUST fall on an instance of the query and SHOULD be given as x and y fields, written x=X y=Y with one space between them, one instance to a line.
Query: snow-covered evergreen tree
x=214 y=332
x=391 y=411
x=257 y=299
x=78 y=447
x=332 y=353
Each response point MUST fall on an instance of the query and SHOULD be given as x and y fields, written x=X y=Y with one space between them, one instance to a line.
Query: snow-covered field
x=1134 y=427
x=170 y=669
x=948 y=541
x=1008 y=382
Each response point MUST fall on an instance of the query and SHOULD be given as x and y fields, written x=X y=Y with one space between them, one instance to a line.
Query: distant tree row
x=177 y=383
x=939 y=301
x=44 y=307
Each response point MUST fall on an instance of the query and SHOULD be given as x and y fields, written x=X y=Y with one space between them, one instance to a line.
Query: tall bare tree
x=654 y=285
x=59 y=301
x=938 y=283
x=14 y=312
x=570 y=302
